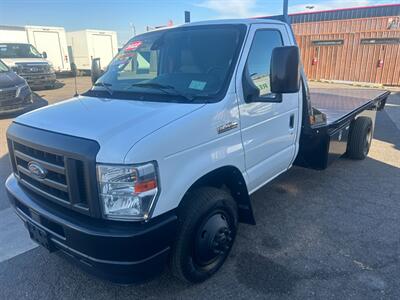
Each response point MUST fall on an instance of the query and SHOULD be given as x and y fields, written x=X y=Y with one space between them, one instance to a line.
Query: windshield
x=181 y=64
x=18 y=51
x=3 y=67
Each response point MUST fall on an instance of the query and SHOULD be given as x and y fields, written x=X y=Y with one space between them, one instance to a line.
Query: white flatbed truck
x=156 y=163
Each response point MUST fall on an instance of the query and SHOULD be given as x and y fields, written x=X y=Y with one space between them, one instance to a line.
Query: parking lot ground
x=65 y=89
x=319 y=235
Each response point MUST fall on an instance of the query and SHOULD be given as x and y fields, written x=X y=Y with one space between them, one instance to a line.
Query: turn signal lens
x=127 y=192
x=141 y=187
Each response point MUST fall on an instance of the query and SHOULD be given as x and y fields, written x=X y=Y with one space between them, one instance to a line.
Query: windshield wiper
x=106 y=86
x=165 y=88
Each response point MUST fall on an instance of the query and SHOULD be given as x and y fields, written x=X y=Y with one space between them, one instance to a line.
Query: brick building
x=355 y=44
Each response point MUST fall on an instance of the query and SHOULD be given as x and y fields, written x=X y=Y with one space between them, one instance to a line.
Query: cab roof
x=235 y=21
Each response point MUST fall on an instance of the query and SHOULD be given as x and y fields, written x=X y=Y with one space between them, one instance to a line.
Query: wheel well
x=231 y=179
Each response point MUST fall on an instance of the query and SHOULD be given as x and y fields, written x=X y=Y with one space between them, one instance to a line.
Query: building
x=353 y=44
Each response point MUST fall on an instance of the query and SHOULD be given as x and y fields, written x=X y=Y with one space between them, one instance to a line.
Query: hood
x=10 y=62
x=115 y=124
x=9 y=79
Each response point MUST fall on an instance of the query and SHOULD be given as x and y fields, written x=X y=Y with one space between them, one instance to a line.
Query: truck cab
x=27 y=62
x=157 y=161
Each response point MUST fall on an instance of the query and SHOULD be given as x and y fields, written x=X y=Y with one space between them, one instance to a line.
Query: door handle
x=291 y=121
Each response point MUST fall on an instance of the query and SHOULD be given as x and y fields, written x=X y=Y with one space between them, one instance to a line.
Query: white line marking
x=14 y=238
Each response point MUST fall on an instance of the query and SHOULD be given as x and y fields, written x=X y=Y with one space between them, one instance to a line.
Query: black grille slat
x=46 y=181
x=52 y=193
x=38 y=154
x=49 y=166
x=7 y=95
x=50 y=175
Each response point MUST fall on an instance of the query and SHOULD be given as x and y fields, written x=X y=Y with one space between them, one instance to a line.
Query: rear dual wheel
x=360 y=138
x=207 y=229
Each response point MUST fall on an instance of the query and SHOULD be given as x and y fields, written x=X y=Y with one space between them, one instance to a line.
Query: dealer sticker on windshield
x=197 y=85
x=133 y=46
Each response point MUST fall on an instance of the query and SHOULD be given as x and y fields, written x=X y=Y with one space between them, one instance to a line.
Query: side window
x=259 y=59
x=139 y=64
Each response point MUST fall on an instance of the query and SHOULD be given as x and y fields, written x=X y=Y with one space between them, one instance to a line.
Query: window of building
x=328 y=42
x=373 y=41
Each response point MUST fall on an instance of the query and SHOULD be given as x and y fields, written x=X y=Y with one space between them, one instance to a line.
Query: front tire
x=207 y=229
x=360 y=138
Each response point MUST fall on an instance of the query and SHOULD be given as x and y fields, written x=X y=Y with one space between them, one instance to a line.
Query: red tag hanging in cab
x=133 y=46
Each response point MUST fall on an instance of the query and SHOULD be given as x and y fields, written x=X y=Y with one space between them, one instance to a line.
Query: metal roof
x=346 y=13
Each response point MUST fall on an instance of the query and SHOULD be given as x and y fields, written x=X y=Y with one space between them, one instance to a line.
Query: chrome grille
x=29 y=69
x=55 y=186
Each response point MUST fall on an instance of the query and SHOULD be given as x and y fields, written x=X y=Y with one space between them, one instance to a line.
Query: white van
x=13 y=34
x=53 y=41
x=84 y=45
x=49 y=40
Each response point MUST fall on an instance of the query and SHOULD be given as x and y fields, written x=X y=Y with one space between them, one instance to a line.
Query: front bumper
x=118 y=251
x=39 y=80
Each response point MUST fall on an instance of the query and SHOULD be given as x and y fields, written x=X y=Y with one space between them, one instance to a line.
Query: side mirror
x=74 y=73
x=285 y=70
x=44 y=54
x=74 y=70
x=252 y=93
x=96 y=71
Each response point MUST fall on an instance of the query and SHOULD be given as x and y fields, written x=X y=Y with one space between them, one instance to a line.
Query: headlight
x=24 y=87
x=127 y=192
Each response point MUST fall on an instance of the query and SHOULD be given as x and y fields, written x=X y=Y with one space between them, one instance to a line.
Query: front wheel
x=207 y=229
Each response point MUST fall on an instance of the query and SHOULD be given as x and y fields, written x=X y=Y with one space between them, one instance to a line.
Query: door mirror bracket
x=96 y=71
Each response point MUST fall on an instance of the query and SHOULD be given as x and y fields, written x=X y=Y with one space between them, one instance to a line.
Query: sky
x=127 y=16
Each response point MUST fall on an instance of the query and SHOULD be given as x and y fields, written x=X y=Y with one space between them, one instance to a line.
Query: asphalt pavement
x=319 y=235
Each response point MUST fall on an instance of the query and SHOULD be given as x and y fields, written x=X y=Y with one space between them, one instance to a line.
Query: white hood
x=115 y=124
x=10 y=62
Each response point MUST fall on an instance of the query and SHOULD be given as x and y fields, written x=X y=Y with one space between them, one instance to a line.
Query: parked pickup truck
x=28 y=63
x=157 y=161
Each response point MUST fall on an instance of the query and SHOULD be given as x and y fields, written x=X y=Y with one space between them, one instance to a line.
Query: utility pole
x=133 y=28
x=187 y=16
x=285 y=8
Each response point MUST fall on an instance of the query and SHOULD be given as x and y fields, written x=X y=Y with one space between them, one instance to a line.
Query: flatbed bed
x=339 y=103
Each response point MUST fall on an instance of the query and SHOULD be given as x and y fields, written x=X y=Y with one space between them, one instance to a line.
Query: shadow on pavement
x=5 y=170
x=57 y=85
x=389 y=132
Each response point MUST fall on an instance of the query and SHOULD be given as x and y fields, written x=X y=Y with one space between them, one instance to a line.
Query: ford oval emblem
x=37 y=170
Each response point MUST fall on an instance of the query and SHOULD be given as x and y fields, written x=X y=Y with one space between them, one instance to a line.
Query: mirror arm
x=250 y=91
x=269 y=98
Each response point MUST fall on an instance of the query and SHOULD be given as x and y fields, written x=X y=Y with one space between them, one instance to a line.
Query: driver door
x=268 y=129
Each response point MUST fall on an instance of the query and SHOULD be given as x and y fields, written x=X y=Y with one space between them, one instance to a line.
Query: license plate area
x=40 y=236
